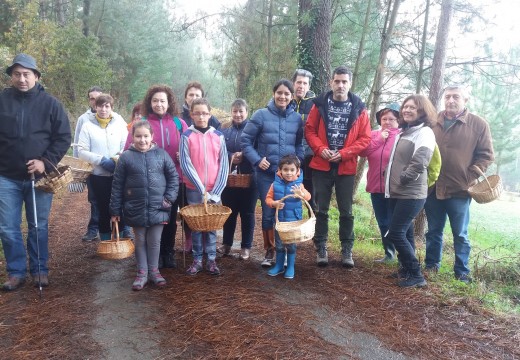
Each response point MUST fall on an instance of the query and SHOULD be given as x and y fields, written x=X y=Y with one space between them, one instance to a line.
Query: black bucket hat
x=27 y=61
x=393 y=106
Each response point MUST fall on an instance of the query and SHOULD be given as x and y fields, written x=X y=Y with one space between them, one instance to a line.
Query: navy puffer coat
x=276 y=133
x=141 y=181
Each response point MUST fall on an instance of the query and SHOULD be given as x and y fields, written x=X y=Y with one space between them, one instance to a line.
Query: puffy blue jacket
x=292 y=211
x=232 y=134
x=276 y=133
x=141 y=181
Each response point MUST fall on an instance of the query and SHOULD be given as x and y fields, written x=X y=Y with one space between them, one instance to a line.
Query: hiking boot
x=90 y=236
x=13 y=283
x=195 y=268
x=212 y=268
x=244 y=254
x=412 y=281
x=224 y=249
x=156 y=277
x=42 y=280
x=346 y=259
x=269 y=258
x=399 y=274
x=465 y=278
x=322 y=259
x=140 y=280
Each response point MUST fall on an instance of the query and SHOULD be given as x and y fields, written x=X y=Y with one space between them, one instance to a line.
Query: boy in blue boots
x=288 y=180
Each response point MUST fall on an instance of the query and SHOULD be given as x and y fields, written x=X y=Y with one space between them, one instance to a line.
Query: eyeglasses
x=202 y=114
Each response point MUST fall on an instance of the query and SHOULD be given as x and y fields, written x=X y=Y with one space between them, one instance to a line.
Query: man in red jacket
x=337 y=130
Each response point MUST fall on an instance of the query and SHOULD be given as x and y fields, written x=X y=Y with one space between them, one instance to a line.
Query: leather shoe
x=13 y=283
x=42 y=280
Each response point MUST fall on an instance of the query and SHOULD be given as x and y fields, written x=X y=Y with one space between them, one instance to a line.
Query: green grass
x=495 y=256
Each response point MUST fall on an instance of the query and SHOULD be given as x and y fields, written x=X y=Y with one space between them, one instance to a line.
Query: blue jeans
x=242 y=202
x=263 y=183
x=14 y=193
x=383 y=216
x=323 y=182
x=281 y=247
x=457 y=209
x=400 y=231
x=194 y=197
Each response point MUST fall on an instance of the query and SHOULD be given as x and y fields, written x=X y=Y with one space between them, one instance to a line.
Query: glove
x=108 y=164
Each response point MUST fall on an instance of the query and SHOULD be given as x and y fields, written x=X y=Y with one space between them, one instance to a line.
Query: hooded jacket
x=303 y=107
x=204 y=161
x=166 y=134
x=467 y=142
x=141 y=181
x=378 y=155
x=357 y=139
x=33 y=125
x=276 y=133
x=407 y=177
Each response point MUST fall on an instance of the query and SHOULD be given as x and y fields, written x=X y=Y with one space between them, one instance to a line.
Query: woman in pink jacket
x=378 y=156
x=160 y=109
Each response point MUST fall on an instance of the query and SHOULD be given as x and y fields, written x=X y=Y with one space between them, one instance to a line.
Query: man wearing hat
x=33 y=126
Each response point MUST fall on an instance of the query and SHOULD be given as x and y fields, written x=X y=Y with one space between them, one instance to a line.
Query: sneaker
x=269 y=258
x=465 y=278
x=399 y=274
x=140 y=280
x=386 y=260
x=346 y=259
x=13 y=283
x=244 y=254
x=412 y=281
x=42 y=280
x=224 y=250
x=433 y=269
x=195 y=268
x=156 y=277
x=90 y=236
x=322 y=259
x=212 y=268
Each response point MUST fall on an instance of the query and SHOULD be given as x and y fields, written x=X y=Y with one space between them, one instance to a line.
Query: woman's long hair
x=147 y=102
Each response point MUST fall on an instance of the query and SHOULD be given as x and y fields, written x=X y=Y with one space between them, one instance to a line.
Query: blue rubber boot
x=278 y=267
x=289 y=272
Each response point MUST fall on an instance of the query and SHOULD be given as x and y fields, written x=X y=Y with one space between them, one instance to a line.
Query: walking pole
x=35 y=214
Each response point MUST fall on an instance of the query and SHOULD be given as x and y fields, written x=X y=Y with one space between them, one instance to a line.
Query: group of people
x=301 y=144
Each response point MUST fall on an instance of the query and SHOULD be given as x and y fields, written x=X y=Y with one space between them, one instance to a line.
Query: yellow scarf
x=103 y=122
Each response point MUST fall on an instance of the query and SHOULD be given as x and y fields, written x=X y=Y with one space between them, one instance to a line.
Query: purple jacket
x=378 y=155
x=166 y=136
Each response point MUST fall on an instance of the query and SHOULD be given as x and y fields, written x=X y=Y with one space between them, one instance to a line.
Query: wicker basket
x=291 y=232
x=238 y=180
x=115 y=249
x=205 y=217
x=55 y=180
x=80 y=169
x=487 y=190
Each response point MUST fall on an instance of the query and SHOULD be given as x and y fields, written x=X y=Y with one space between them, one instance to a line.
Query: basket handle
x=50 y=162
x=231 y=164
x=475 y=167
x=297 y=197
x=116 y=229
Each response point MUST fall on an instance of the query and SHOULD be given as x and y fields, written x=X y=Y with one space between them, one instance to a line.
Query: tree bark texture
x=86 y=15
x=314 y=26
x=439 y=55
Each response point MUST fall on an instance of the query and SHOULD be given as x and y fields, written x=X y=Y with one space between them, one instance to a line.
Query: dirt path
x=89 y=311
